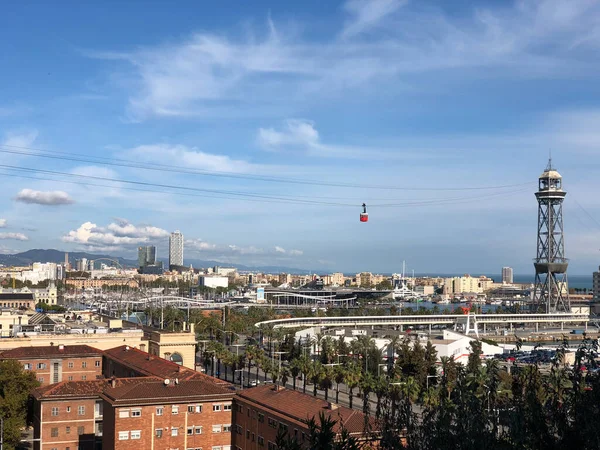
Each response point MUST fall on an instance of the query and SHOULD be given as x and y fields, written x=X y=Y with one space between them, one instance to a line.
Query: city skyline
x=288 y=116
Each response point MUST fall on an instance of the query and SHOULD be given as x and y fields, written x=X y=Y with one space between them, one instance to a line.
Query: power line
x=73 y=157
x=215 y=193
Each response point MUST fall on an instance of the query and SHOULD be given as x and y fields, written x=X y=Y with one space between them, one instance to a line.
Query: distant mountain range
x=58 y=256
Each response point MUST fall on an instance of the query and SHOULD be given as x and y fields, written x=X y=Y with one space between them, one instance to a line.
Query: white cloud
x=15 y=236
x=49 y=198
x=114 y=235
x=187 y=157
x=301 y=135
x=2 y=223
x=199 y=245
x=206 y=74
x=279 y=249
x=366 y=14
x=19 y=139
x=295 y=252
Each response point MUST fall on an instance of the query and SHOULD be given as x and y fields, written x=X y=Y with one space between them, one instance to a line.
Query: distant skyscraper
x=146 y=256
x=176 y=249
x=507 y=275
x=596 y=285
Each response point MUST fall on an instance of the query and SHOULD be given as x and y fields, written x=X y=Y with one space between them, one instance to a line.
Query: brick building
x=126 y=361
x=69 y=416
x=56 y=363
x=168 y=414
x=260 y=412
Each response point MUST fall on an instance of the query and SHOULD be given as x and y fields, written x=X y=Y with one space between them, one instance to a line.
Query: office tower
x=146 y=256
x=551 y=292
x=507 y=275
x=176 y=249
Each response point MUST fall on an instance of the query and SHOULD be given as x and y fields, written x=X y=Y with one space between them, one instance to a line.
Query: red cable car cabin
x=364 y=216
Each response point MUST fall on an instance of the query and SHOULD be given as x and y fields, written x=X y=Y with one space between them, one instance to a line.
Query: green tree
x=15 y=386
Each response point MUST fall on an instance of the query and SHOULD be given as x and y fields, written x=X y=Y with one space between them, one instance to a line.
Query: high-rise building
x=176 y=249
x=146 y=256
x=507 y=275
x=551 y=292
x=596 y=280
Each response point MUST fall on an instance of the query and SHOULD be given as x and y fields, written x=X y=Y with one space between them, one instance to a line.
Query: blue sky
x=438 y=115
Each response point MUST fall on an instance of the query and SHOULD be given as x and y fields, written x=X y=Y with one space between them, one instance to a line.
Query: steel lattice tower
x=551 y=292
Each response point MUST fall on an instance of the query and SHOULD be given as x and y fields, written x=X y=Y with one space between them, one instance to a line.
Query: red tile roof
x=82 y=389
x=150 y=365
x=154 y=391
x=302 y=407
x=51 y=351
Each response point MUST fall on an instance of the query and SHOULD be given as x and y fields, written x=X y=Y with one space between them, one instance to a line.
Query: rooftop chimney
x=176 y=380
x=61 y=347
x=332 y=406
x=127 y=348
x=113 y=383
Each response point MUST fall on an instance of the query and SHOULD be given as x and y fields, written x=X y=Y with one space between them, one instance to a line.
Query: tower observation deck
x=550 y=294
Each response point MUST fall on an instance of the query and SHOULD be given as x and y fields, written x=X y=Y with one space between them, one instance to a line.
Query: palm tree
x=316 y=373
x=353 y=377
x=339 y=377
x=367 y=384
x=326 y=380
x=285 y=376
x=305 y=365
x=295 y=370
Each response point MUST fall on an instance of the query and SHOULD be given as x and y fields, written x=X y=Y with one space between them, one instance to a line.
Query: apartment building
x=168 y=414
x=125 y=361
x=56 y=363
x=259 y=413
x=69 y=416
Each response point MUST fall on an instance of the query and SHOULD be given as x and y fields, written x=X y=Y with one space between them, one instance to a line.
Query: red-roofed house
x=260 y=412
x=56 y=363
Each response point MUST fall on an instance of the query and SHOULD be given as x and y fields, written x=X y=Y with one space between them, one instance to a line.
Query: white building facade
x=176 y=249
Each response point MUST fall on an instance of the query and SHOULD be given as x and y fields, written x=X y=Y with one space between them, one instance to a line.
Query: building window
x=136 y=413
x=227 y=407
x=216 y=428
x=174 y=431
x=271 y=446
x=216 y=407
x=190 y=431
x=70 y=364
x=97 y=363
x=123 y=435
x=195 y=408
x=70 y=378
x=136 y=434
x=217 y=447
x=41 y=379
x=41 y=366
x=68 y=430
x=54 y=411
x=261 y=441
x=198 y=430
x=159 y=411
x=283 y=427
x=261 y=417
x=227 y=428
x=158 y=432
x=272 y=423
x=81 y=410
x=83 y=377
x=123 y=413
x=240 y=408
x=27 y=366
x=54 y=432
x=68 y=409
x=239 y=429
x=174 y=409
x=80 y=430
x=84 y=364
